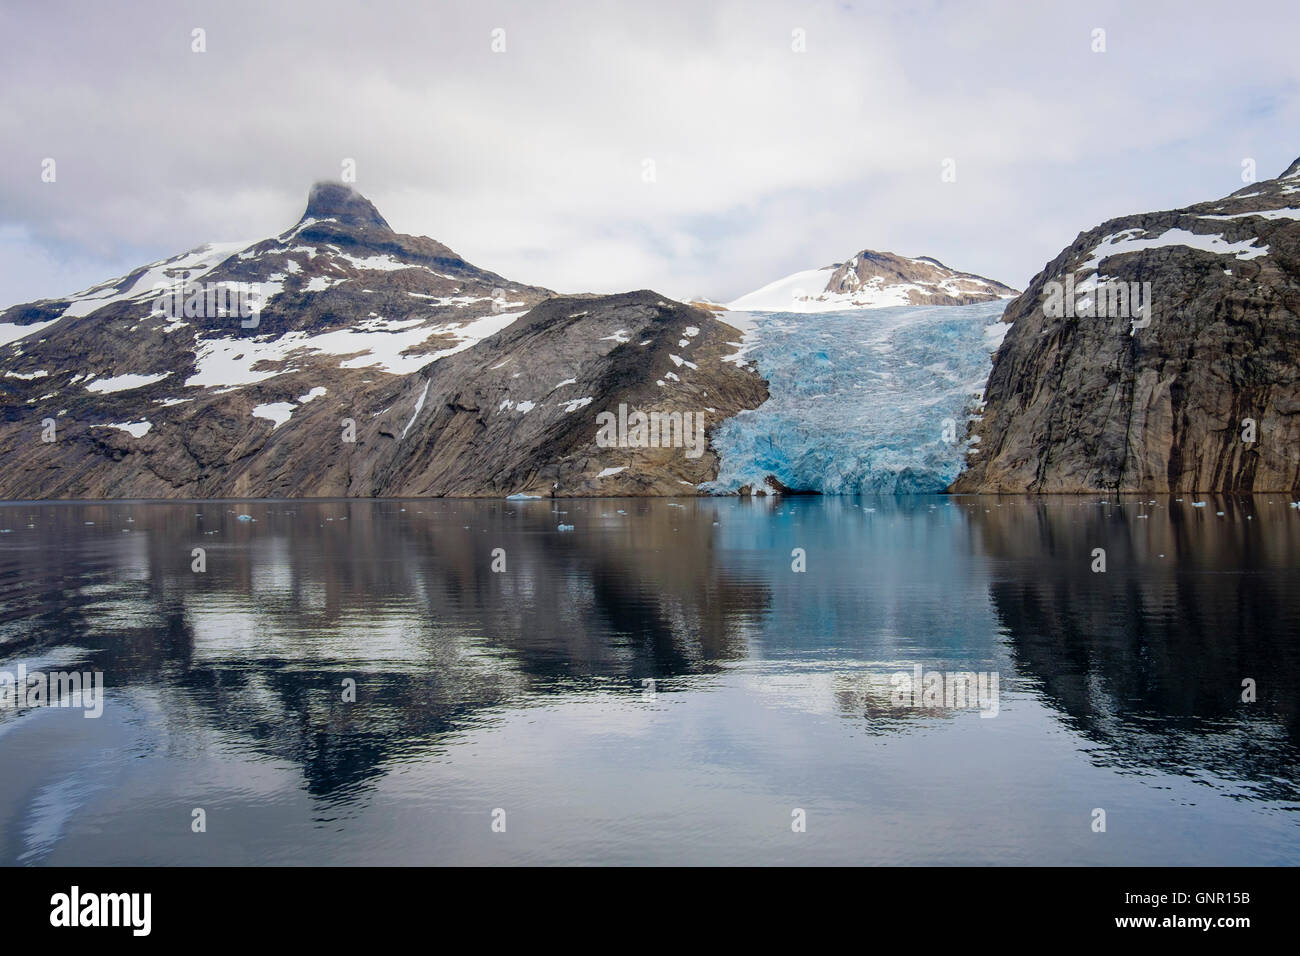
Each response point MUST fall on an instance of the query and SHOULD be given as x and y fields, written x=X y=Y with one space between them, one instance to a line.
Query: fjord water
x=657 y=685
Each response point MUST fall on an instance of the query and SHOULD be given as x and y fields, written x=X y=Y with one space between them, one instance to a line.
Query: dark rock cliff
x=1159 y=352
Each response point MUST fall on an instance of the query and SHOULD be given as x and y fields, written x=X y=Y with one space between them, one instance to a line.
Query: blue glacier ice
x=862 y=402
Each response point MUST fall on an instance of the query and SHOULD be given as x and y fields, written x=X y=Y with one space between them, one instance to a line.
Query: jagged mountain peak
x=330 y=200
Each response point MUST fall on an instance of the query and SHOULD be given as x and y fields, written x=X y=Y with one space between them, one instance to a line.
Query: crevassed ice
x=859 y=399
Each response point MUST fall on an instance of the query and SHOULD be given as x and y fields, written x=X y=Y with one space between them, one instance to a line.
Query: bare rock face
x=521 y=413
x=341 y=204
x=165 y=383
x=1160 y=352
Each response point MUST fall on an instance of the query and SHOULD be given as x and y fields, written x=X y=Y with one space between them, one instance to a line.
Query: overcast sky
x=532 y=162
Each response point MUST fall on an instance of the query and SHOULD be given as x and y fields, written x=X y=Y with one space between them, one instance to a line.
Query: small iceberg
x=522 y=497
x=564 y=527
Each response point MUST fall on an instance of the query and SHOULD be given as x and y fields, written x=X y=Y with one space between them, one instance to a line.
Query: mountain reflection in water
x=656 y=686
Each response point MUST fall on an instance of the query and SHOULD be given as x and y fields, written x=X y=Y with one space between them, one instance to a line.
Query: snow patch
x=277 y=412
x=155 y=276
x=1262 y=214
x=134 y=429
x=12 y=332
x=419 y=404
x=375 y=263
x=1128 y=241
x=120 y=383
x=785 y=295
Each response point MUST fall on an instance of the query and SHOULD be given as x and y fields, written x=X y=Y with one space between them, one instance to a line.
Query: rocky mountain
x=873 y=280
x=1159 y=352
x=342 y=358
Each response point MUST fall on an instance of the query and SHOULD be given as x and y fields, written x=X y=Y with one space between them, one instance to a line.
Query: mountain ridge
x=872 y=279
x=1089 y=393
x=290 y=366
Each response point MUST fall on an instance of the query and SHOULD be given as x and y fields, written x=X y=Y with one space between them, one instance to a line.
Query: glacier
x=867 y=401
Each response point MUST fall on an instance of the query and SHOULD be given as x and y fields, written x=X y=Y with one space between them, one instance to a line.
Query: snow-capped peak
x=873 y=280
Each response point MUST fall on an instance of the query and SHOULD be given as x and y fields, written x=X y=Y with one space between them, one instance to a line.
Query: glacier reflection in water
x=656 y=686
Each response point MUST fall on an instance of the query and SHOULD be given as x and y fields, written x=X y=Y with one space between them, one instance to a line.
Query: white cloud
x=530 y=162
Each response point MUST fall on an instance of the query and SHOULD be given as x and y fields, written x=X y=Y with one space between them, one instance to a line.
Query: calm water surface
x=657 y=685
